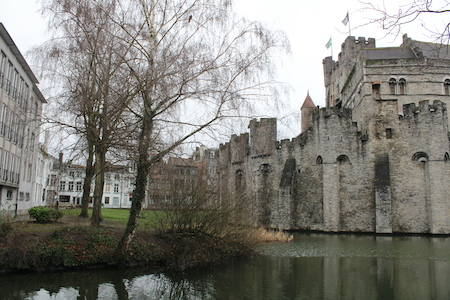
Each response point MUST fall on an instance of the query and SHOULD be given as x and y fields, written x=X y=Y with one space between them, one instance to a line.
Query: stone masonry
x=376 y=159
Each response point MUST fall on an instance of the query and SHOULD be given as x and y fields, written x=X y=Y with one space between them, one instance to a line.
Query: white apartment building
x=20 y=119
x=69 y=190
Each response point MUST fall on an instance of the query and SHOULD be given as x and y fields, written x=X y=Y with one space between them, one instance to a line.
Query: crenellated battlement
x=351 y=45
x=326 y=113
x=349 y=50
x=363 y=164
x=284 y=143
x=263 y=136
x=239 y=147
x=424 y=107
x=224 y=146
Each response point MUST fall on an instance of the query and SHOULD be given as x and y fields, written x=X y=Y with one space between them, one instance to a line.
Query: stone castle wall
x=335 y=178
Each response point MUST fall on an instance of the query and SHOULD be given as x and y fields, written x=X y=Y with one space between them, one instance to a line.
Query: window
x=9 y=194
x=62 y=185
x=106 y=200
x=70 y=187
x=392 y=85
x=21 y=196
x=239 y=184
x=30 y=171
x=53 y=180
x=420 y=157
x=27 y=196
x=64 y=198
x=2 y=64
x=319 y=160
x=116 y=187
x=388 y=133
x=72 y=173
x=402 y=86
x=265 y=168
x=446 y=87
x=376 y=90
x=343 y=159
x=107 y=188
x=79 y=186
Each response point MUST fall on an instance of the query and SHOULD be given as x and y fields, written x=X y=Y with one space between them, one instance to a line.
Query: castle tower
x=306 y=113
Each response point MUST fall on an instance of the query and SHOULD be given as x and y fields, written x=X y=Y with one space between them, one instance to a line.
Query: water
x=314 y=266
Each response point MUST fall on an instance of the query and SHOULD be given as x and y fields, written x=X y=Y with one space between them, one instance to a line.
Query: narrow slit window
x=388 y=133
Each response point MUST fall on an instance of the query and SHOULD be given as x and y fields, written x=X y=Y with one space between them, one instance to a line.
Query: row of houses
x=64 y=184
x=169 y=179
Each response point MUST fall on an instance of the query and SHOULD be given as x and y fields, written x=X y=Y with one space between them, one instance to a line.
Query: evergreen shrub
x=44 y=214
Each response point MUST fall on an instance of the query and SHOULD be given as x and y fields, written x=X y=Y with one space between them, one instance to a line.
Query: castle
x=375 y=160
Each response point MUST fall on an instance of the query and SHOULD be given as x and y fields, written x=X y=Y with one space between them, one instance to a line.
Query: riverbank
x=72 y=243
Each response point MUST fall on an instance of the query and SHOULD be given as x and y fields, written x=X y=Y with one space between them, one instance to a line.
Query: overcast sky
x=308 y=25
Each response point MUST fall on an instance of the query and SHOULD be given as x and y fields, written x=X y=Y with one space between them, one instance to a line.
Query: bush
x=5 y=227
x=44 y=214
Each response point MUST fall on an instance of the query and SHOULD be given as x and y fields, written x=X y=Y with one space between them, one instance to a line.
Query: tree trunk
x=87 y=182
x=143 y=164
x=140 y=187
x=100 y=164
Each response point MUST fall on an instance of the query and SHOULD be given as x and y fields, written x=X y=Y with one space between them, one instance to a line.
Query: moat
x=314 y=266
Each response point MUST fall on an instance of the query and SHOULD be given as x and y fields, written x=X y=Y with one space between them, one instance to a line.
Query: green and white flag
x=328 y=45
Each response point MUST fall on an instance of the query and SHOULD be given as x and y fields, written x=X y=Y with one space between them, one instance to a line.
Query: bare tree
x=393 y=19
x=195 y=66
x=88 y=57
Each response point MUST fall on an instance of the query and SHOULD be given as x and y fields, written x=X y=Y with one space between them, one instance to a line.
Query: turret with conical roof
x=306 y=112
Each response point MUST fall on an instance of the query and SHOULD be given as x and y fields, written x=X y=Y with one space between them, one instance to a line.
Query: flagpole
x=331 y=38
x=349 y=27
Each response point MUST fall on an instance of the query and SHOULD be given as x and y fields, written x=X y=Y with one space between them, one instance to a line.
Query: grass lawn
x=117 y=214
x=113 y=219
x=109 y=214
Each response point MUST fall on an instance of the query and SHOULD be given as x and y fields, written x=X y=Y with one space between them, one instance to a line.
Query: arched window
x=420 y=156
x=265 y=168
x=319 y=160
x=343 y=159
x=392 y=85
x=446 y=87
x=446 y=157
x=402 y=86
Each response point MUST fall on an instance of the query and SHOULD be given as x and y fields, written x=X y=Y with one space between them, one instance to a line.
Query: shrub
x=5 y=227
x=44 y=214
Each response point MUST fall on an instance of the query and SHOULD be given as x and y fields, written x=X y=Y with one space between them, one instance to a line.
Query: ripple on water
x=323 y=245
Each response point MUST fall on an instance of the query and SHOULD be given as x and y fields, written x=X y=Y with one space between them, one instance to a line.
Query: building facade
x=65 y=185
x=20 y=120
x=376 y=159
x=177 y=180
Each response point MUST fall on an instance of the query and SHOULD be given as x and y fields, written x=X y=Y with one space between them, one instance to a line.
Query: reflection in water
x=315 y=266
